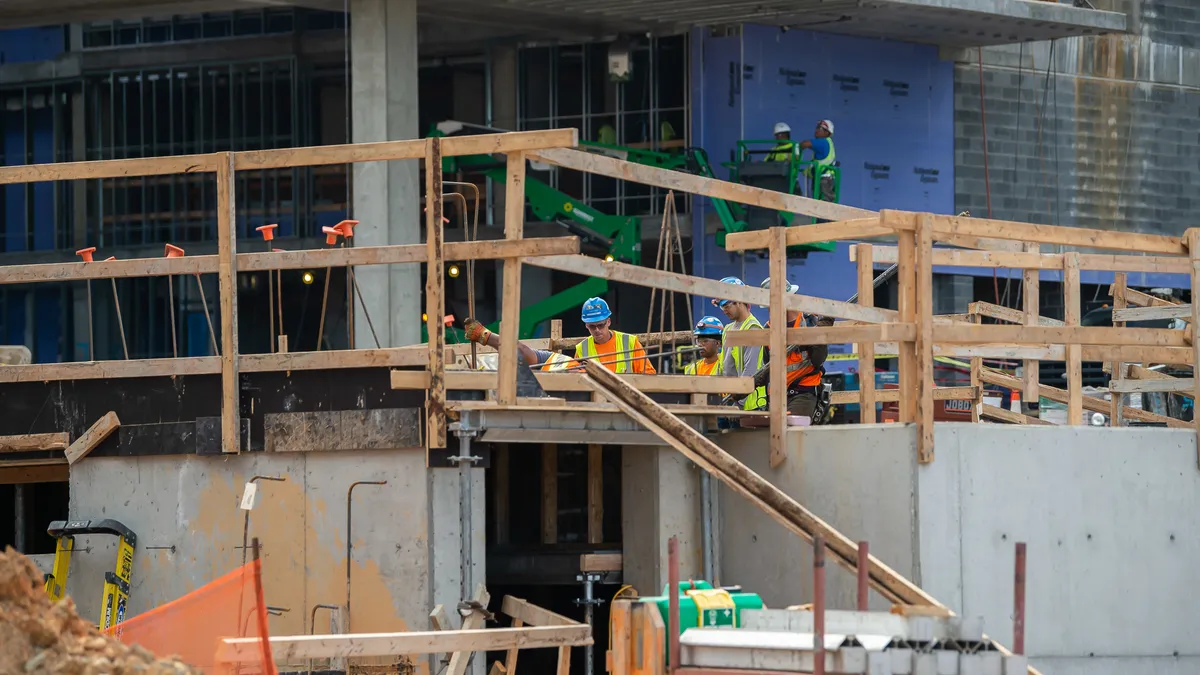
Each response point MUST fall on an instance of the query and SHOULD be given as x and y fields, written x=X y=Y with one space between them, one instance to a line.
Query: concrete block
x=1015 y=665
x=902 y=660
x=925 y=663
x=854 y=659
x=947 y=662
x=879 y=663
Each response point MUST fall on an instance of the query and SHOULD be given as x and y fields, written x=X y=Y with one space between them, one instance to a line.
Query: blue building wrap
x=892 y=105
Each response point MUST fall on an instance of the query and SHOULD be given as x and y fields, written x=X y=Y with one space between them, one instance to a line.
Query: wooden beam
x=438 y=618
x=708 y=288
x=976 y=383
x=1072 y=303
x=893 y=395
x=997 y=413
x=1091 y=335
x=227 y=290
x=697 y=185
x=93 y=437
x=435 y=301
x=1192 y=237
x=477 y=619
x=1030 y=259
x=510 y=304
x=474 y=380
x=332 y=360
x=1031 y=298
x=1153 y=313
x=1137 y=372
x=293 y=648
x=1062 y=236
x=906 y=278
x=980 y=243
x=110 y=168
x=924 y=342
x=601 y=562
x=842 y=230
x=549 y=493
x=595 y=496
x=533 y=615
x=777 y=339
x=1092 y=403
x=35 y=442
x=25 y=471
x=1140 y=299
x=866 y=350
x=827 y=335
x=1180 y=385
x=1119 y=286
x=1011 y=315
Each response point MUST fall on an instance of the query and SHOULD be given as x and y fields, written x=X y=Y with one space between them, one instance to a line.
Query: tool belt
x=824 y=394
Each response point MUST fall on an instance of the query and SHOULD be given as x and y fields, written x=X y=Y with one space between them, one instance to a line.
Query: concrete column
x=383 y=86
x=450 y=574
x=660 y=498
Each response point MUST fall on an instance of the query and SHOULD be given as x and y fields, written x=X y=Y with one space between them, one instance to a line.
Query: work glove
x=475 y=331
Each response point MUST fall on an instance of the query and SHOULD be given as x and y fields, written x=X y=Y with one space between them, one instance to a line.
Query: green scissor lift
x=621 y=235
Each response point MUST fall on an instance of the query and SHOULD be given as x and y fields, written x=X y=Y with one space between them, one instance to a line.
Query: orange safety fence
x=193 y=626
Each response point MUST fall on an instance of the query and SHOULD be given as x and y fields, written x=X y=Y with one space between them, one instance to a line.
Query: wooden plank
x=533 y=615
x=1009 y=314
x=110 y=168
x=343 y=430
x=1072 y=303
x=866 y=350
x=564 y=661
x=1137 y=372
x=601 y=562
x=924 y=342
x=227 y=290
x=1093 y=403
x=94 y=436
x=438 y=618
x=332 y=360
x=549 y=493
x=34 y=442
x=708 y=288
x=697 y=185
x=892 y=395
x=26 y=471
x=1119 y=286
x=906 y=278
x=827 y=335
x=595 y=496
x=294 y=648
x=1062 y=236
x=435 y=299
x=981 y=243
x=1140 y=299
x=475 y=621
x=1180 y=385
x=976 y=367
x=510 y=306
x=1032 y=260
x=473 y=380
x=1153 y=313
x=777 y=395
x=998 y=413
x=1192 y=237
x=510 y=659
x=1031 y=298
x=842 y=230
x=741 y=479
x=1092 y=335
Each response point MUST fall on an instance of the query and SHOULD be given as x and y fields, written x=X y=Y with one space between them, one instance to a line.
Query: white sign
x=248 y=496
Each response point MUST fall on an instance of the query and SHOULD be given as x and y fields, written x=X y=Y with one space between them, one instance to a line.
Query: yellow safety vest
x=782 y=152
x=557 y=361
x=587 y=349
x=758 y=398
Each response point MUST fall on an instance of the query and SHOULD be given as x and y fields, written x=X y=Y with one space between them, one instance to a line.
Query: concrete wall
x=1108 y=516
x=660 y=498
x=191 y=503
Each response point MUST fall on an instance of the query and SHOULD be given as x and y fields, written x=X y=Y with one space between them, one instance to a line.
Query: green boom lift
x=621 y=235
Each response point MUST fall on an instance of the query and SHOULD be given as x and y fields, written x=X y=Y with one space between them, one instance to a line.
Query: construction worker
x=741 y=361
x=806 y=393
x=823 y=156
x=708 y=334
x=627 y=354
x=784 y=147
x=548 y=360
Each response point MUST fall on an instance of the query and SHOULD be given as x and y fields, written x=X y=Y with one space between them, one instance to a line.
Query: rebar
x=473 y=235
x=120 y=323
x=91 y=333
x=1019 y=600
x=350 y=539
x=171 y=305
x=212 y=333
x=673 y=628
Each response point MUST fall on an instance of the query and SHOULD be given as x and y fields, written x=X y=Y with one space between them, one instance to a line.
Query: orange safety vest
x=798 y=370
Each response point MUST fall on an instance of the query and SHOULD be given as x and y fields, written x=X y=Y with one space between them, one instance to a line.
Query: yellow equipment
x=116 y=583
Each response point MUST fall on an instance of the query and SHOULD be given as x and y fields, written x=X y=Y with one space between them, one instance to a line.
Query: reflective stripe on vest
x=799 y=370
x=830 y=158
x=782 y=152
x=557 y=361
x=587 y=348
x=739 y=352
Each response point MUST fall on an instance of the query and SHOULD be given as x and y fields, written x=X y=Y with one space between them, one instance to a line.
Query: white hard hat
x=827 y=124
x=782 y=128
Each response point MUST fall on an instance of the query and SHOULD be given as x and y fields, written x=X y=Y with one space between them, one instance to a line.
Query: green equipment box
x=701 y=605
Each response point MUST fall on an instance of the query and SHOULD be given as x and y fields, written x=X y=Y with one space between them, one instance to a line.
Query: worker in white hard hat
x=784 y=147
x=823 y=153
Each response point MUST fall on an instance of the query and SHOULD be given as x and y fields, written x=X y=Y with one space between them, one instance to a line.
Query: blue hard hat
x=709 y=326
x=595 y=310
x=729 y=280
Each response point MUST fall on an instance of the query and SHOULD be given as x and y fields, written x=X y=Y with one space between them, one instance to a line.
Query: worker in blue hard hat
x=619 y=352
x=742 y=361
x=708 y=333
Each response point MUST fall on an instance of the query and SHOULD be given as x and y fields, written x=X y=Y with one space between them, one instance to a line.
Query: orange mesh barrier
x=193 y=626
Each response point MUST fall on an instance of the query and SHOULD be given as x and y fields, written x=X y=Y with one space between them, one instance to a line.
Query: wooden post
x=435 y=301
x=777 y=393
x=866 y=350
x=549 y=493
x=1031 y=290
x=1192 y=239
x=510 y=308
x=227 y=287
x=907 y=305
x=976 y=371
x=1074 y=354
x=1120 y=282
x=595 y=493
x=555 y=335
x=924 y=342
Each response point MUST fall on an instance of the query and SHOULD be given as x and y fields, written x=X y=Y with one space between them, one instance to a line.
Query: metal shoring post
x=589 y=602
x=465 y=533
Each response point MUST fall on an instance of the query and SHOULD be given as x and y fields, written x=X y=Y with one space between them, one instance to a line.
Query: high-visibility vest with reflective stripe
x=557 y=361
x=782 y=152
x=587 y=348
x=693 y=368
x=828 y=159
x=757 y=398
x=799 y=370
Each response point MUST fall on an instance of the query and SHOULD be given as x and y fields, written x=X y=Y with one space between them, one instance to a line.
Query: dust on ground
x=40 y=636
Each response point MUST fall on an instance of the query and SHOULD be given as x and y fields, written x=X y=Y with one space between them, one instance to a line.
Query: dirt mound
x=38 y=636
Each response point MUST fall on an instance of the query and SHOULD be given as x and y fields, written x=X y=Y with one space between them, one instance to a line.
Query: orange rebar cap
x=172 y=251
x=86 y=253
x=267 y=231
x=331 y=235
x=346 y=227
x=111 y=257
